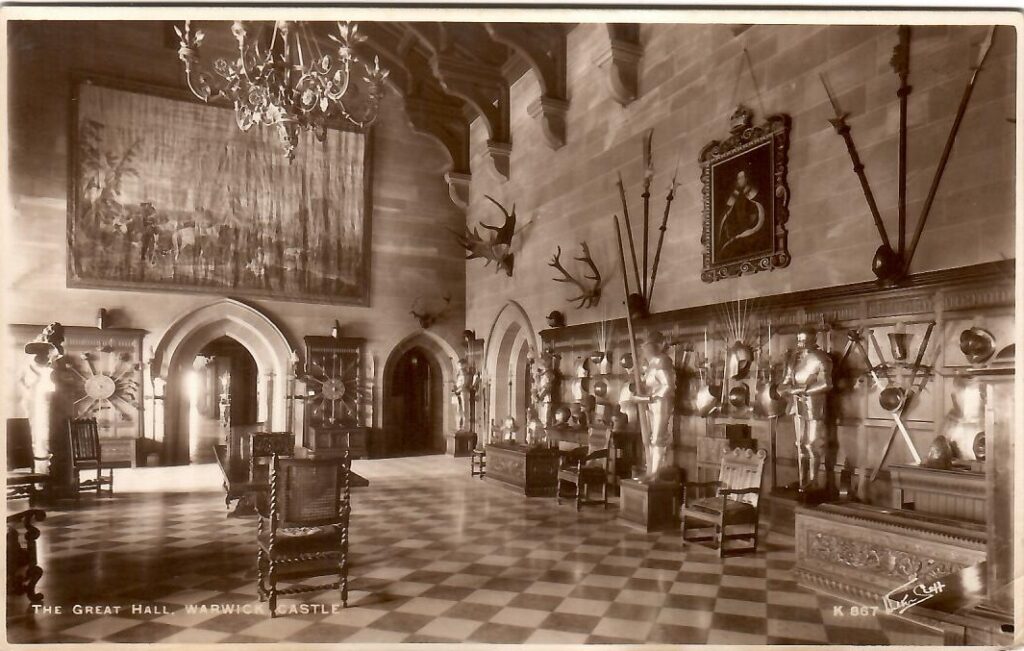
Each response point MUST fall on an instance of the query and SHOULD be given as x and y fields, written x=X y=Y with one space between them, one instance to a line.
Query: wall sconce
x=159 y=387
x=298 y=368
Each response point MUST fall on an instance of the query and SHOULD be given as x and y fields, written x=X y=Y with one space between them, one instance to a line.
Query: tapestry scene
x=169 y=194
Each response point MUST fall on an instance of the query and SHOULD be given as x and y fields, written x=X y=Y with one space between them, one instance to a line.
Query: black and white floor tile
x=437 y=557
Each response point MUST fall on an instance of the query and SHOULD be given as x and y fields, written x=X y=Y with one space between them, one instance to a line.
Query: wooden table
x=533 y=471
x=246 y=491
x=23 y=570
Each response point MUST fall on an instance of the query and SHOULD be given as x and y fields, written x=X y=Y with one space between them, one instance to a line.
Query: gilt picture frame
x=222 y=211
x=745 y=198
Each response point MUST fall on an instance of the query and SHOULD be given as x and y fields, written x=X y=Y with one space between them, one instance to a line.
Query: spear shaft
x=661 y=237
x=648 y=177
x=641 y=412
x=843 y=129
x=629 y=231
x=901 y=64
x=985 y=47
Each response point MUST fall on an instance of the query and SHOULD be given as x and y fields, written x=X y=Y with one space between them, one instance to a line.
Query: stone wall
x=691 y=78
x=412 y=253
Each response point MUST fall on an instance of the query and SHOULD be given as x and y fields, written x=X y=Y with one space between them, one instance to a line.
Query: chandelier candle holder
x=285 y=80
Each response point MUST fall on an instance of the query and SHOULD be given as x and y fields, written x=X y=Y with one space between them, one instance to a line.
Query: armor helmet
x=807 y=333
x=738 y=363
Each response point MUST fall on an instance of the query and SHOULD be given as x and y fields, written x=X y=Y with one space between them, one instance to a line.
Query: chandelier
x=283 y=79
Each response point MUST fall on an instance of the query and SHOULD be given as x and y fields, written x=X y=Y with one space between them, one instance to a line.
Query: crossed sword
x=918 y=380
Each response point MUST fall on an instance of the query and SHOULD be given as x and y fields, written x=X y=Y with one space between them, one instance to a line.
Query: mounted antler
x=590 y=296
x=498 y=248
x=428 y=319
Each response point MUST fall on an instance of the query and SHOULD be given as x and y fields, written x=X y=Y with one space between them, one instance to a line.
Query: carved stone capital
x=458 y=188
x=621 y=65
x=551 y=112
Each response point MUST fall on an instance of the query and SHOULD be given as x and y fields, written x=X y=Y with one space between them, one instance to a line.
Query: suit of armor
x=806 y=382
x=466 y=382
x=659 y=388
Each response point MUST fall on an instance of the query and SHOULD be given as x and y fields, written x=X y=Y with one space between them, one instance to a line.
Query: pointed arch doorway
x=221 y=390
x=416 y=399
x=175 y=354
x=417 y=413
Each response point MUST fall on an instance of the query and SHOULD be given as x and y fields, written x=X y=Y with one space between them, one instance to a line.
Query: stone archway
x=186 y=336
x=510 y=338
x=444 y=355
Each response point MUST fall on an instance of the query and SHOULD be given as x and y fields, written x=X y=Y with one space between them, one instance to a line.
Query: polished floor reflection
x=437 y=557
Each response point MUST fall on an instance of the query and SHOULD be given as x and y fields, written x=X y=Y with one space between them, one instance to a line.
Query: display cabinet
x=332 y=421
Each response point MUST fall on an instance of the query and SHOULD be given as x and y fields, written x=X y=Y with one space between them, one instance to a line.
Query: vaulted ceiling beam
x=481 y=86
x=620 y=61
x=430 y=110
x=543 y=47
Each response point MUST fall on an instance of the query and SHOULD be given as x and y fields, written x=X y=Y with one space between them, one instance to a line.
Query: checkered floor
x=437 y=557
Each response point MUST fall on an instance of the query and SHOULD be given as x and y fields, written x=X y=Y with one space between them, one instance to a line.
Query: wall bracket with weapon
x=891 y=265
x=639 y=302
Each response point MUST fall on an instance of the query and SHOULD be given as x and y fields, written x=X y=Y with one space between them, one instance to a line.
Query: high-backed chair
x=87 y=455
x=583 y=470
x=727 y=509
x=303 y=531
x=22 y=479
x=262 y=447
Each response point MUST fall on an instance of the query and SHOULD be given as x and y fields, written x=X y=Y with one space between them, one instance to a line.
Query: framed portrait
x=745 y=198
x=168 y=194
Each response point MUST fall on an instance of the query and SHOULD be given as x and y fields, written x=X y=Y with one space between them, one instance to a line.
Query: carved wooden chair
x=303 y=531
x=583 y=470
x=730 y=512
x=87 y=455
x=22 y=479
x=262 y=447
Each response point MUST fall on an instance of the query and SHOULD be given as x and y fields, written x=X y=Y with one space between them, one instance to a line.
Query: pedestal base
x=653 y=506
x=460 y=444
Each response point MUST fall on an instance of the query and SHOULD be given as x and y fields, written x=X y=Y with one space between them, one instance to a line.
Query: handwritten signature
x=912 y=596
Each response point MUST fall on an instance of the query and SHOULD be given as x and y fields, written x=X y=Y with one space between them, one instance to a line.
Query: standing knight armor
x=658 y=398
x=806 y=382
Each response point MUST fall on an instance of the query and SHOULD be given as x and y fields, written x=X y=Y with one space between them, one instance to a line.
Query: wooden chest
x=333 y=441
x=532 y=471
x=119 y=452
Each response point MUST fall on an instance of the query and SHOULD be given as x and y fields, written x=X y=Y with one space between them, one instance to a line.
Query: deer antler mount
x=590 y=294
x=428 y=318
x=496 y=248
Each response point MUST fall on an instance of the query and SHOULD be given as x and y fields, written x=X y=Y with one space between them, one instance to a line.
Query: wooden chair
x=731 y=512
x=583 y=470
x=262 y=447
x=22 y=479
x=303 y=532
x=478 y=458
x=87 y=455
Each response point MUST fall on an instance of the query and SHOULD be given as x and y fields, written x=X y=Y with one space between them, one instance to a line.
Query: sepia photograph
x=338 y=325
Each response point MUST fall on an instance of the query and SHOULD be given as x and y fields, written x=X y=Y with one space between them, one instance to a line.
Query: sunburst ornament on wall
x=106 y=384
x=332 y=381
